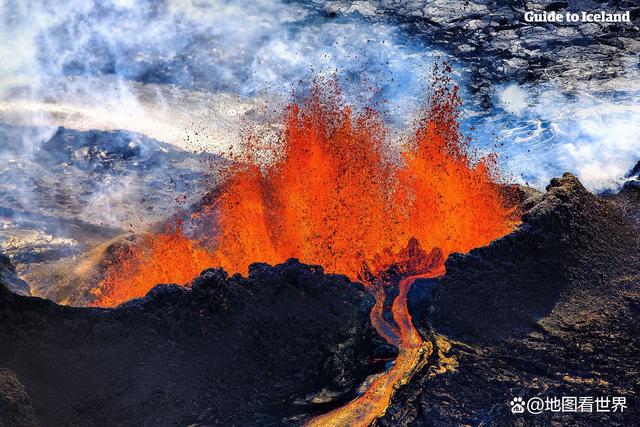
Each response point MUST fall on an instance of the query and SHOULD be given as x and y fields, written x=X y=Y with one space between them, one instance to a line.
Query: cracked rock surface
x=10 y=279
x=498 y=45
x=16 y=408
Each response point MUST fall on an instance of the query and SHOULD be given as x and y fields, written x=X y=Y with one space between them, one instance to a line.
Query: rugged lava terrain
x=287 y=340
x=494 y=37
x=549 y=310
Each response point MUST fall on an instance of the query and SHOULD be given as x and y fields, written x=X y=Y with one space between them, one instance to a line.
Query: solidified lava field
x=322 y=213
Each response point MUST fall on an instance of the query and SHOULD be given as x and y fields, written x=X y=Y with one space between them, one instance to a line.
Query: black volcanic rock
x=284 y=342
x=494 y=39
x=15 y=406
x=571 y=245
x=10 y=279
x=550 y=310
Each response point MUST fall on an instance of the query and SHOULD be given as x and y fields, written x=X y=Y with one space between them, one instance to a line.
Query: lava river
x=331 y=194
x=371 y=404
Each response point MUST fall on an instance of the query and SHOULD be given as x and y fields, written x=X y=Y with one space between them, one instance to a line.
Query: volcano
x=324 y=282
x=329 y=195
x=319 y=213
x=531 y=313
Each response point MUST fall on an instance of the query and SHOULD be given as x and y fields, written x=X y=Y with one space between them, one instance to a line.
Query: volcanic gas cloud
x=332 y=195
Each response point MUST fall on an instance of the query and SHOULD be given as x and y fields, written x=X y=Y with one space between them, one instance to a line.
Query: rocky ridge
x=282 y=343
x=550 y=310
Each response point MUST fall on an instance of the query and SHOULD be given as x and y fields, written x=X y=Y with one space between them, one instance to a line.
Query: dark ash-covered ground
x=286 y=341
x=550 y=310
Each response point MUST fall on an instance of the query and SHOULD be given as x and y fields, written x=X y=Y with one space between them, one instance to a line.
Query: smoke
x=544 y=130
x=232 y=46
x=513 y=99
x=187 y=73
x=103 y=205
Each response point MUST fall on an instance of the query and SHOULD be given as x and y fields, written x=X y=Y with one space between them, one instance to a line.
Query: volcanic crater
x=332 y=285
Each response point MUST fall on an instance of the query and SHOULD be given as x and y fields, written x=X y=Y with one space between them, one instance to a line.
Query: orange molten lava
x=168 y=257
x=333 y=196
x=334 y=199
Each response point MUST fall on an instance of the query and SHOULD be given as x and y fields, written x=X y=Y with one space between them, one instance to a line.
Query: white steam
x=204 y=47
x=513 y=99
x=187 y=73
x=590 y=133
x=190 y=72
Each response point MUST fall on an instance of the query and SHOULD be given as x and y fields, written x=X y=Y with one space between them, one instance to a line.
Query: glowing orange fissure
x=364 y=409
x=334 y=198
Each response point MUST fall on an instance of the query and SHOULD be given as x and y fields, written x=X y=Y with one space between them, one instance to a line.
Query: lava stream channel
x=364 y=409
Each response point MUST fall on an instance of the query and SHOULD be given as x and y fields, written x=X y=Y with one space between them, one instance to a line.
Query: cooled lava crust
x=550 y=310
x=284 y=342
